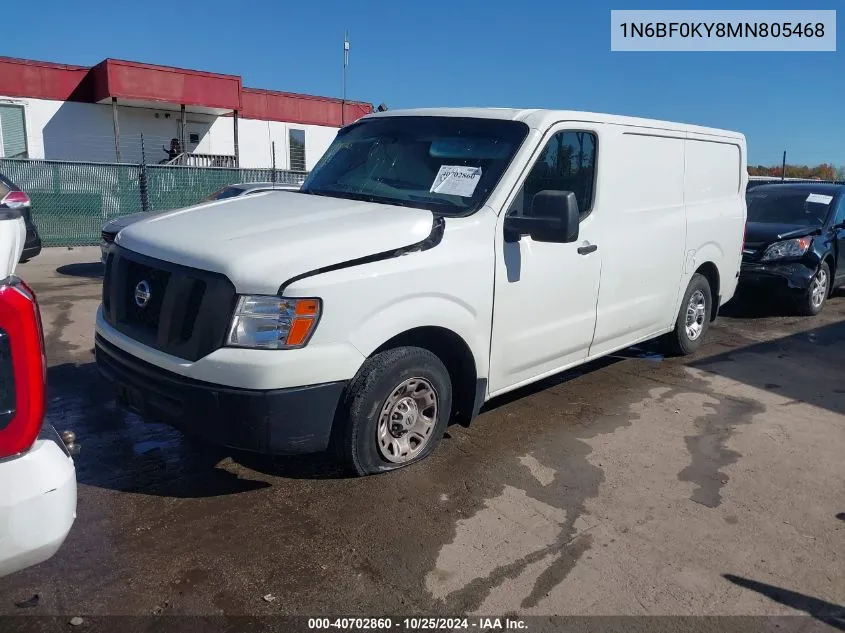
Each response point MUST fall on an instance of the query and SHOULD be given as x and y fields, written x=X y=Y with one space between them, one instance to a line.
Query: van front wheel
x=395 y=411
x=693 y=317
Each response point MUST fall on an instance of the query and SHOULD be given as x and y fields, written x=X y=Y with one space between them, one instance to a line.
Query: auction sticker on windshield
x=820 y=198
x=456 y=180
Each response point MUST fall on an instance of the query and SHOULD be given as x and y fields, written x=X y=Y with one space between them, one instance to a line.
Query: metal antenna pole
x=345 y=64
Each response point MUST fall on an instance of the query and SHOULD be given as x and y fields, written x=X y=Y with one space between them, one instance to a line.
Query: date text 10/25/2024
x=417 y=624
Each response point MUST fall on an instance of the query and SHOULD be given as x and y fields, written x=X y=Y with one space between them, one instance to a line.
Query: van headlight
x=269 y=322
x=787 y=248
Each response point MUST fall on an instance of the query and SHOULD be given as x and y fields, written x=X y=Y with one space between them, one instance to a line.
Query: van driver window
x=567 y=163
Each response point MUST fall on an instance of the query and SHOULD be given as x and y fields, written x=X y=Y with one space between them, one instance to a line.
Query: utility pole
x=345 y=64
x=116 y=129
x=142 y=179
x=783 y=168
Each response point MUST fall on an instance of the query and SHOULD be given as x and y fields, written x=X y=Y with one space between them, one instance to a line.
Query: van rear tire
x=693 y=318
x=395 y=411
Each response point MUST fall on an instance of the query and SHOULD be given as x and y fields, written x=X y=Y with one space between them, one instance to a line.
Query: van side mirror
x=554 y=217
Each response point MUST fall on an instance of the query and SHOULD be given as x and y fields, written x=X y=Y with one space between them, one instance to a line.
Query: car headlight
x=787 y=248
x=269 y=322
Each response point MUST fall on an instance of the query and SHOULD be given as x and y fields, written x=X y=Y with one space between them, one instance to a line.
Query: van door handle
x=586 y=250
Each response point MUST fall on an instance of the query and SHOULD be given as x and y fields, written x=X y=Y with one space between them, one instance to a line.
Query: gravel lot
x=636 y=485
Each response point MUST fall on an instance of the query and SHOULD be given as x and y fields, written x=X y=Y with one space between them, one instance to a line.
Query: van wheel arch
x=711 y=273
x=455 y=354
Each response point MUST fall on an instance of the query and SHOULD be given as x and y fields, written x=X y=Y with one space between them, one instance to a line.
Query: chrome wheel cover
x=696 y=314
x=407 y=420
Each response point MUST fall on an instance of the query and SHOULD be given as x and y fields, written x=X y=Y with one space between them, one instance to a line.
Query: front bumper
x=251 y=369
x=37 y=503
x=794 y=277
x=274 y=421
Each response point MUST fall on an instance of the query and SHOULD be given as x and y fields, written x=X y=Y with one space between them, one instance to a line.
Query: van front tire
x=693 y=317
x=395 y=411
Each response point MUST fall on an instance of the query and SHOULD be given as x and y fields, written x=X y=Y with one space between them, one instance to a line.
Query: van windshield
x=787 y=206
x=449 y=165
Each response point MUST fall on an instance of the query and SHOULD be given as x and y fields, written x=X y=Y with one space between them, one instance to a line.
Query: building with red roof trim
x=101 y=114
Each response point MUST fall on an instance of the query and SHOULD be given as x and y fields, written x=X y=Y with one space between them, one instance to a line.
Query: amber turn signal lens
x=307 y=307
x=299 y=330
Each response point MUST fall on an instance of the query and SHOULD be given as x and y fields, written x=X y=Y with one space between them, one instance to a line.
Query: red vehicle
x=37 y=475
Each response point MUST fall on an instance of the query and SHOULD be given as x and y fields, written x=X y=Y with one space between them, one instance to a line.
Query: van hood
x=263 y=240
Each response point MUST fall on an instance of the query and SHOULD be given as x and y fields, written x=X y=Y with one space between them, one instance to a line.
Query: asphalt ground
x=636 y=485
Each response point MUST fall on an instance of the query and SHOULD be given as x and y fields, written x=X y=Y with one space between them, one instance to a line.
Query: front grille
x=107 y=237
x=144 y=315
x=186 y=313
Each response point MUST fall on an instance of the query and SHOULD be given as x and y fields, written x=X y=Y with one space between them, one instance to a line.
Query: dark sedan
x=795 y=242
x=11 y=197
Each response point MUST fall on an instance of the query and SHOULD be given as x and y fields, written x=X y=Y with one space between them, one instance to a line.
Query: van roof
x=542 y=119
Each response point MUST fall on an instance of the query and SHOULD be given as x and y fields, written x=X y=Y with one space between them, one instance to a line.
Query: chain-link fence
x=71 y=201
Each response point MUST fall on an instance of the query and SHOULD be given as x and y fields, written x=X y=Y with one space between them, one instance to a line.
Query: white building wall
x=256 y=138
x=58 y=130
x=317 y=141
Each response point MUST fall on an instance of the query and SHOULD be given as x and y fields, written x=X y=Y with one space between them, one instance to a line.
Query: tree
x=825 y=171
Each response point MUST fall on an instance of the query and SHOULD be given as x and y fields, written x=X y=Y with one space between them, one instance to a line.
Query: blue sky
x=533 y=53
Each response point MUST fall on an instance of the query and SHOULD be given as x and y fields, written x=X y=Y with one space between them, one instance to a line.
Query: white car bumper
x=37 y=504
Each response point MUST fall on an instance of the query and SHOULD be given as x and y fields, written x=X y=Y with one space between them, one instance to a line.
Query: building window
x=12 y=132
x=194 y=139
x=297 y=149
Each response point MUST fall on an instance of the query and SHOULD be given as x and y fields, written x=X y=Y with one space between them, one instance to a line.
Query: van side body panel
x=715 y=179
x=667 y=201
x=545 y=293
x=644 y=235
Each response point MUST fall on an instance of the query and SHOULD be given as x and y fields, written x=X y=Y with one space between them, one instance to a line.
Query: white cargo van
x=432 y=260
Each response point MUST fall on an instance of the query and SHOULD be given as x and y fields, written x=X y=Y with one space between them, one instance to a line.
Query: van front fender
x=388 y=320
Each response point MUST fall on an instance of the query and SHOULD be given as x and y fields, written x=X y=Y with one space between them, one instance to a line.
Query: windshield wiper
x=429 y=201
x=425 y=204
x=364 y=197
